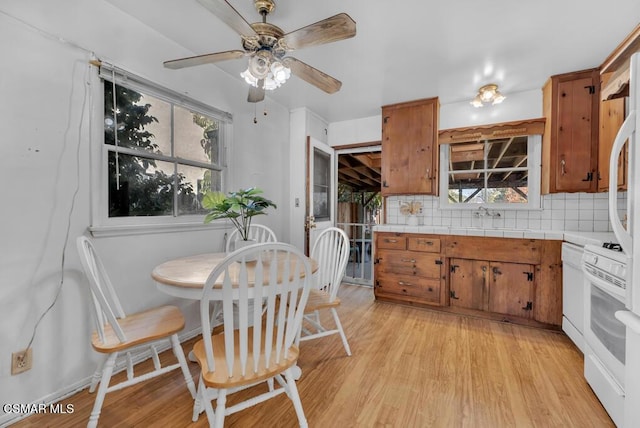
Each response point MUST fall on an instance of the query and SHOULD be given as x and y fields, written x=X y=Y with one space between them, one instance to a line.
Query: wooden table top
x=193 y=271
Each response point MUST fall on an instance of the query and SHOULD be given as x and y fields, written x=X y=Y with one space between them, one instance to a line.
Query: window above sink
x=492 y=165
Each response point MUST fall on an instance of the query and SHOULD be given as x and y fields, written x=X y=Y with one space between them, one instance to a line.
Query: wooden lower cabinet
x=408 y=268
x=518 y=280
x=502 y=288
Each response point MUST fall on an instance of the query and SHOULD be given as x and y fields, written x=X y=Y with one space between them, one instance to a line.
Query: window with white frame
x=161 y=151
x=501 y=172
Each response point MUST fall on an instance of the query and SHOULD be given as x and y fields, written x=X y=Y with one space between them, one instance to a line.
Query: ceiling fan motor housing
x=264 y=7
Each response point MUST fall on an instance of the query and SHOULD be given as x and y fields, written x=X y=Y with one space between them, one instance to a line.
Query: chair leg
x=220 y=409
x=97 y=374
x=107 y=370
x=179 y=353
x=295 y=398
x=342 y=335
x=201 y=396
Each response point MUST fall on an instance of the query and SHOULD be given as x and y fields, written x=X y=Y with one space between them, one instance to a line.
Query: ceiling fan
x=267 y=47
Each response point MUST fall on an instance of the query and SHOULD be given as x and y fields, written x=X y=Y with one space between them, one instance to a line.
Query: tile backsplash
x=584 y=212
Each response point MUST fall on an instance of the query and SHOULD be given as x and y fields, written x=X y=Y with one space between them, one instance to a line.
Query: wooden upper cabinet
x=612 y=114
x=410 y=148
x=570 y=141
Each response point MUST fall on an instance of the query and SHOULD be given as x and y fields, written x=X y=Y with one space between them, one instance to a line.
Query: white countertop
x=575 y=237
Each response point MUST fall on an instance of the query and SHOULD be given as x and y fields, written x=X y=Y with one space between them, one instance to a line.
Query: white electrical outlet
x=21 y=361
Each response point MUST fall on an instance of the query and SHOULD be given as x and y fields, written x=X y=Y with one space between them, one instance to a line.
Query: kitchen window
x=498 y=169
x=160 y=153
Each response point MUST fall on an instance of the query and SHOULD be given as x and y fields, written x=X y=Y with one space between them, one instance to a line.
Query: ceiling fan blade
x=227 y=13
x=338 y=27
x=203 y=59
x=256 y=94
x=312 y=75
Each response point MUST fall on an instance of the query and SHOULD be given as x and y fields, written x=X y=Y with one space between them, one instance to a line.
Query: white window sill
x=147 y=229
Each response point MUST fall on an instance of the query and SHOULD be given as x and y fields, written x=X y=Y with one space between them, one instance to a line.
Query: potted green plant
x=239 y=207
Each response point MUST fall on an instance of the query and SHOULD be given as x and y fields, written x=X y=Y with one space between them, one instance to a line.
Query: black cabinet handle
x=589 y=177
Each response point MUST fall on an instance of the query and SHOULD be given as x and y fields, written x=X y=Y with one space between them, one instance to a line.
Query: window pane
x=321 y=185
x=195 y=136
x=508 y=195
x=162 y=184
x=194 y=182
x=490 y=171
x=466 y=185
x=507 y=152
x=143 y=122
x=468 y=191
x=145 y=187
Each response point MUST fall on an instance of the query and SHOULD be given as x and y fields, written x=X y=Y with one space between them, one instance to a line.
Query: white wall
x=365 y=130
x=517 y=106
x=44 y=155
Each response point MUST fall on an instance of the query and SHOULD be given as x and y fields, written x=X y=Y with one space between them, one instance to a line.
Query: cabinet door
x=511 y=289
x=575 y=141
x=570 y=141
x=409 y=148
x=611 y=118
x=468 y=281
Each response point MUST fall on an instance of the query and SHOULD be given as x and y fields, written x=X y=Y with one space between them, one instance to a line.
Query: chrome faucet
x=484 y=212
x=481 y=212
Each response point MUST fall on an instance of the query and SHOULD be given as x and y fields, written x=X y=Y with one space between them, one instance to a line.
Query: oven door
x=604 y=337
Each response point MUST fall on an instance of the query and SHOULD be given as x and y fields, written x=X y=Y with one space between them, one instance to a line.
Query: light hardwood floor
x=410 y=367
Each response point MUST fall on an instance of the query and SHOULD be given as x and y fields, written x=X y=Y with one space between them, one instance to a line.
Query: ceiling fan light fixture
x=248 y=77
x=488 y=94
x=259 y=65
x=279 y=72
x=268 y=69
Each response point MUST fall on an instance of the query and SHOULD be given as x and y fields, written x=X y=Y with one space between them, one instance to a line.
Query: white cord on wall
x=75 y=193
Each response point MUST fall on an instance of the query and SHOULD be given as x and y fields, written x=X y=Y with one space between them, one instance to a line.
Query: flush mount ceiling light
x=488 y=94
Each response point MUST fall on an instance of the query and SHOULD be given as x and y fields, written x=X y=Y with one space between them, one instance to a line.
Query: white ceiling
x=411 y=49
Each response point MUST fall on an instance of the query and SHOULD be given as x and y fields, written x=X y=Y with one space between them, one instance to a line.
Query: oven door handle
x=617 y=292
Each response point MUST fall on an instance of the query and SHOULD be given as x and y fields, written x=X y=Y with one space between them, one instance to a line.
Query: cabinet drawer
x=410 y=286
x=431 y=245
x=409 y=263
x=392 y=242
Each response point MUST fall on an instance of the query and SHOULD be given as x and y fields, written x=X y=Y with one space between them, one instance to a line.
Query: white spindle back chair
x=331 y=251
x=117 y=332
x=257 y=232
x=257 y=344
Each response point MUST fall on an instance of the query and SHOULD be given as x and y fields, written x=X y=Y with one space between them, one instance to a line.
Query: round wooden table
x=185 y=276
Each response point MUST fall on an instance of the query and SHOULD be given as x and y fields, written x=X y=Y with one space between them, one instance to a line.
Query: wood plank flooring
x=410 y=367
